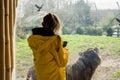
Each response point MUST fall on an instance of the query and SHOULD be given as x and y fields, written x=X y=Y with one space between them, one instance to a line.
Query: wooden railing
x=7 y=20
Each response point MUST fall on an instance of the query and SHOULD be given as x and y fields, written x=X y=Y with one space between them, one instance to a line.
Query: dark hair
x=51 y=23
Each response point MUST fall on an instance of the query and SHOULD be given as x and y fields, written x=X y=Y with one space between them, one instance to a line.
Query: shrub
x=80 y=30
x=93 y=31
x=109 y=31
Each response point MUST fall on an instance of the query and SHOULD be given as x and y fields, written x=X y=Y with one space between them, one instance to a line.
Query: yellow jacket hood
x=37 y=42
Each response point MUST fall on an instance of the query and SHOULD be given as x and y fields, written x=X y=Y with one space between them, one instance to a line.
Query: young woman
x=50 y=57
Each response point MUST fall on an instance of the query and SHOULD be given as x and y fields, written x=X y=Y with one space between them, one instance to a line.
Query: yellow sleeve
x=61 y=54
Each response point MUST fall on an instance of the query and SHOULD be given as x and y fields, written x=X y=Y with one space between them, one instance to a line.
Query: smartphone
x=64 y=43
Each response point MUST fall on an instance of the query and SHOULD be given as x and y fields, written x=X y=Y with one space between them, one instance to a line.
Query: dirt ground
x=108 y=66
x=106 y=69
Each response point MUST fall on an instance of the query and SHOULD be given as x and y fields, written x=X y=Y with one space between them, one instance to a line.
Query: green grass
x=76 y=44
x=117 y=74
x=106 y=44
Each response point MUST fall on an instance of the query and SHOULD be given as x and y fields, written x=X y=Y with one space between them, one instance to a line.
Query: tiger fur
x=82 y=69
x=31 y=74
x=85 y=66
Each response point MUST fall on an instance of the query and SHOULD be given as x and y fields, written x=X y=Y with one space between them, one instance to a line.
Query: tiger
x=85 y=66
x=82 y=69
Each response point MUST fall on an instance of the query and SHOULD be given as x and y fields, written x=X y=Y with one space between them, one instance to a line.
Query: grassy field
x=109 y=46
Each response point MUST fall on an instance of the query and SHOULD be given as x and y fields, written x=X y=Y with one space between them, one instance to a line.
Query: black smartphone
x=64 y=43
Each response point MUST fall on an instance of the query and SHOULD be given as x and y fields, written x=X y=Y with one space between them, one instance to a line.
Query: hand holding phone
x=64 y=43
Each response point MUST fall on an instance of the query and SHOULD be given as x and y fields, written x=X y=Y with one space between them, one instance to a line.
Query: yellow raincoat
x=50 y=57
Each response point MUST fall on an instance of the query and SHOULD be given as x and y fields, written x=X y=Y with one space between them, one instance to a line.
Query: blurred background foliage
x=76 y=16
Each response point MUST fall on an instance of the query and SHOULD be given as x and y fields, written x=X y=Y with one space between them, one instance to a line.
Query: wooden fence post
x=7 y=41
x=2 y=41
x=7 y=19
x=11 y=25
